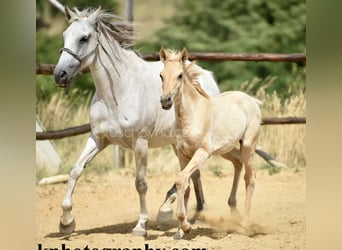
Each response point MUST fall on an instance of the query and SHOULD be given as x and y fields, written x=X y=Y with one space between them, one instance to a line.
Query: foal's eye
x=180 y=76
x=161 y=77
x=84 y=39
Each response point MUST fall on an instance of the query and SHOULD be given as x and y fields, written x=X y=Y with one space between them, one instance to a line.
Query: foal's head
x=172 y=75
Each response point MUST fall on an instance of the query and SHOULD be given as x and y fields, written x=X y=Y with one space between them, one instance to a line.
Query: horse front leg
x=140 y=154
x=183 y=189
x=165 y=211
x=67 y=222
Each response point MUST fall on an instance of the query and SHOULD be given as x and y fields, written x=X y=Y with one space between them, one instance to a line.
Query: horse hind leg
x=165 y=212
x=234 y=157
x=247 y=155
x=67 y=221
x=196 y=179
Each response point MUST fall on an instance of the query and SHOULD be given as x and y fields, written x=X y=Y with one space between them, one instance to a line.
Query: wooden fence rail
x=82 y=129
x=269 y=57
x=47 y=69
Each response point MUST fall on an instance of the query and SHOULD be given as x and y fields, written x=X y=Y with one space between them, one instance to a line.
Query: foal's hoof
x=67 y=229
x=182 y=234
x=164 y=215
x=179 y=235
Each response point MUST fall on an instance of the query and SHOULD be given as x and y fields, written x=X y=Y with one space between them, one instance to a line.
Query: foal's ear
x=69 y=14
x=162 y=54
x=184 y=55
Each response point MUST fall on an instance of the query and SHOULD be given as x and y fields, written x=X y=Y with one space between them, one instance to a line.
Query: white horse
x=125 y=109
x=208 y=126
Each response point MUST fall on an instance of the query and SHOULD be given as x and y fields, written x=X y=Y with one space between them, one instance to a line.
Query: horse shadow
x=168 y=229
x=120 y=228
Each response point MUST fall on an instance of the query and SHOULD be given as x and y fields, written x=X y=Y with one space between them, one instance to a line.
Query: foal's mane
x=192 y=72
x=112 y=26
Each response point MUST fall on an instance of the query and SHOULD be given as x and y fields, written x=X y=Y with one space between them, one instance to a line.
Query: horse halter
x=74 y=55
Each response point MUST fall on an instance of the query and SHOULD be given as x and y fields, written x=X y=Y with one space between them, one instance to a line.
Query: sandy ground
x=106 y=209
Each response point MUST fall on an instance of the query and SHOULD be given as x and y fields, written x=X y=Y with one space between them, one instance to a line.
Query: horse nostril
x=62 y=74
x=168 y=100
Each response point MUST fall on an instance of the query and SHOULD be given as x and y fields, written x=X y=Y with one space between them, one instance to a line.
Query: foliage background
x=237 y=26
x=241 y=26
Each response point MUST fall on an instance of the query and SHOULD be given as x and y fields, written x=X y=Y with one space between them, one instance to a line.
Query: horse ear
x=162 y=54
x=77 y=11
x=184 y=54
x=69 y=14
x=93 y=16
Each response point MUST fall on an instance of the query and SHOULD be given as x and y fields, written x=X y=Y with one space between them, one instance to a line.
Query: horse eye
x=180 y=76
x=84 y=39
x=161 y=77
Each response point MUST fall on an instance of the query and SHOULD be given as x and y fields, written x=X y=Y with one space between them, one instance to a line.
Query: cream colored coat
x=207 y=126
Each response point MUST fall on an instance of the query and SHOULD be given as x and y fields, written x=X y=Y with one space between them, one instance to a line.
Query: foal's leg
x=67 y=221
x=182 y=184
x=140 y=154
x=165 y=210
x=234 y=157
x=247 y=154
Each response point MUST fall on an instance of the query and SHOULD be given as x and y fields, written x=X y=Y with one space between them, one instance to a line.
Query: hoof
x=164 y=215
x=197 y=216
x=139 y=231
x=67 y=229
x=179 y=235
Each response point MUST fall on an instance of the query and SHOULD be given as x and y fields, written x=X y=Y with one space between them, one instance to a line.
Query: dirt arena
x=106 y=209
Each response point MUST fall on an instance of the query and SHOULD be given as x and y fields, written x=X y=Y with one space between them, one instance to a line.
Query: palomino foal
x=208 y=126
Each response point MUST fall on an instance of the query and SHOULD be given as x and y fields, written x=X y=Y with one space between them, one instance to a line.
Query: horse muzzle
x=65 y=72
x=62 y=78
x=65 y=75
x=166 y=102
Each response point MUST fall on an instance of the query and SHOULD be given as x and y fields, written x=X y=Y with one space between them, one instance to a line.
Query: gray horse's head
x=80 y=44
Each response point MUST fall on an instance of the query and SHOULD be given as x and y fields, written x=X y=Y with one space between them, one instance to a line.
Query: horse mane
x=111 y=25
x=192 y=72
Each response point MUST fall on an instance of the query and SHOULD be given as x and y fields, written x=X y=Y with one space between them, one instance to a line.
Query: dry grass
x=285 y=142
x=64 y=111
